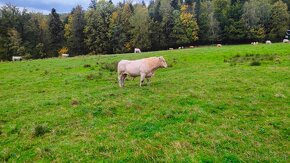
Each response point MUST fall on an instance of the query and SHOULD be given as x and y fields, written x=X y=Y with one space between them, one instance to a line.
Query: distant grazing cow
x=16 y=58
x=285 y=41
x=191 y=46
x=268 y=42
x=137 y=50
x=65 y=55
x=255 y=43
x=219 y=45
x=170 y=48
x=142 y=67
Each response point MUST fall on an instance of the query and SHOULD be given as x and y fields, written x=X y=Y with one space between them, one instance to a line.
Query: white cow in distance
x=268 y=42
x=142 y=67
x=285 y=41
x=137 y=50
x=16 y=58
x=255 y=43
x=65 y=55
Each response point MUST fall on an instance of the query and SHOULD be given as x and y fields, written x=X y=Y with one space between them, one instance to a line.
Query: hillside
x=227 y=104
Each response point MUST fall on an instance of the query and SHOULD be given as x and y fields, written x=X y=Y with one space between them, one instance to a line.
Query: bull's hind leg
x=123 y=77
x=120 y=80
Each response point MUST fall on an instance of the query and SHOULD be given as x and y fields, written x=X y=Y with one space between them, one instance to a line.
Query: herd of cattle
x=137 y=50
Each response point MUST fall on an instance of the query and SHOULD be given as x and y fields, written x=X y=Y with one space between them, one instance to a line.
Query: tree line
x=105 y=28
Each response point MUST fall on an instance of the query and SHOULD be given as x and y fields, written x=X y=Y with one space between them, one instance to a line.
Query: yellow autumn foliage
x=63 y=50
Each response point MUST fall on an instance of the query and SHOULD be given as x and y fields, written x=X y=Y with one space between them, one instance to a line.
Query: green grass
x=211 y=105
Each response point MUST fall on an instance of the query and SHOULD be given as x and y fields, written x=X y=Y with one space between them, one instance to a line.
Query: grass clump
x=255 y=63
x=87 y=65
x=40 y=130
x=91 y=76
x=97 y=76
x=45 y=72
x=252 y=59
x=112 y=67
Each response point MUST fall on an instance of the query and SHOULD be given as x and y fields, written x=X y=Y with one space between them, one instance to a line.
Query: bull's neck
x=156 y=65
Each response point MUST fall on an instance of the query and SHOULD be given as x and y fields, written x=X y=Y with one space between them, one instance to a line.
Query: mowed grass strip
x=211 y=105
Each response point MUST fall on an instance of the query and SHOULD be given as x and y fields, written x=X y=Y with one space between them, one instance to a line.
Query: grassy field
x=229 y=104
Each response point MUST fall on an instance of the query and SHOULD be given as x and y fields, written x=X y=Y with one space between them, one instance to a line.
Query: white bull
x=142 y=67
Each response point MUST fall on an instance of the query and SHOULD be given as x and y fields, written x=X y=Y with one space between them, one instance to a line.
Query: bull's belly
x=132 y=74
x=136 y=75
x=132 y=70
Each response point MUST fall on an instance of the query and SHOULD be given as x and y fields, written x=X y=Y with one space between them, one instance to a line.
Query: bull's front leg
x=142 y=78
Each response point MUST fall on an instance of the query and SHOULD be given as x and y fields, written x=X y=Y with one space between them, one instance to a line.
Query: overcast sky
x=45 y=6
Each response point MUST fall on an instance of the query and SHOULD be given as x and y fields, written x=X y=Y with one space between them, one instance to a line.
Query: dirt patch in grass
x=74 y=102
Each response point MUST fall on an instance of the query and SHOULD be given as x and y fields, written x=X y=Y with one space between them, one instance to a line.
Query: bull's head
x=162 y=62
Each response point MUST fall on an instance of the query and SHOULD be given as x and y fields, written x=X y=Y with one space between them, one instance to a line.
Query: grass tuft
x=91 y=77
x=40 y=130
x=252 y=59
x=112 y=67
x=255 y=63
x=87 y=65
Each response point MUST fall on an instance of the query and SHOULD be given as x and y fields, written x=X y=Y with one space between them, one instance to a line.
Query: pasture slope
x=228 y=104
